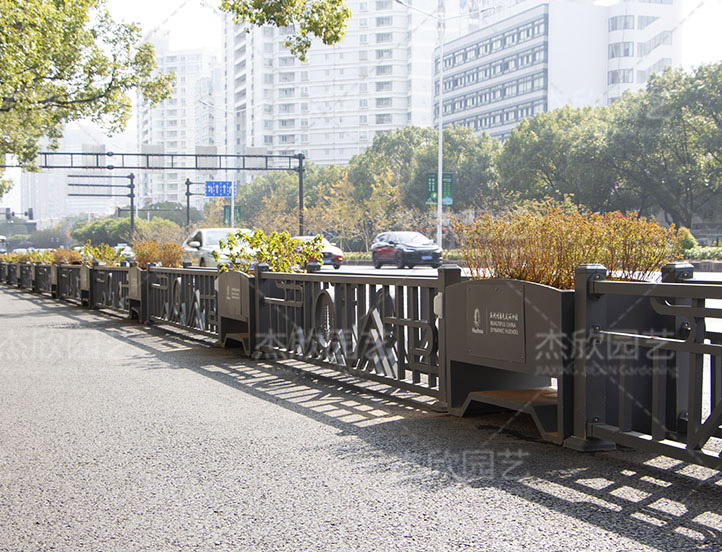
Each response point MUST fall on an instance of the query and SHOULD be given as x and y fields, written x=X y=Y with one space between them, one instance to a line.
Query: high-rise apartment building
x=533 y=56
x=331 y=106
x=190 y=121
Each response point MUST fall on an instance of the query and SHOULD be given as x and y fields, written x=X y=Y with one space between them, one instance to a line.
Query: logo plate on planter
x=495 y=320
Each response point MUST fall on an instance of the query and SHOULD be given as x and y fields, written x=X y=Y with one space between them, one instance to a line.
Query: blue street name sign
x=219 y=188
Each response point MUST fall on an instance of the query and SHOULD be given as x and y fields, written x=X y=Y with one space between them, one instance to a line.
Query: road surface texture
x=119 y=437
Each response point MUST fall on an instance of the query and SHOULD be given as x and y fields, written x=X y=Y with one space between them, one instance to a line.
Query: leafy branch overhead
x=64 y=61
x=323 y=19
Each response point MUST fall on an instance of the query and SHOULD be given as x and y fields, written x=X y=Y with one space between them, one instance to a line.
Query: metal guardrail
x=381 y=329
x=42 y=282
x=25 y=275
x=664 y=394
x=109 y=288
x=69 y=282
x=183 y=297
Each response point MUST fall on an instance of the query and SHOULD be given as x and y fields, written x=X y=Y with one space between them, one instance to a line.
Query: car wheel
x=411 y=265
x=337 y=265
x=435 y=265
x=375 y=261
x=400 y=260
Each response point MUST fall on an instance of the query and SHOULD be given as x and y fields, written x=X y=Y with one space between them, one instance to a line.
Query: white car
x=199 y=246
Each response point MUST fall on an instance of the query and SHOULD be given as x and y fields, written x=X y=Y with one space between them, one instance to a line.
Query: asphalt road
x=118 y=437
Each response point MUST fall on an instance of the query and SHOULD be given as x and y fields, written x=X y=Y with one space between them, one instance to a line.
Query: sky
x=194 y=24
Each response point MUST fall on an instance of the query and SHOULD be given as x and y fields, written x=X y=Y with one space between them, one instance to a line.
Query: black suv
x=405 y=249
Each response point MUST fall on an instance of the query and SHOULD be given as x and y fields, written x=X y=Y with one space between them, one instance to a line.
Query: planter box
x=236 y=310
x=506 y=341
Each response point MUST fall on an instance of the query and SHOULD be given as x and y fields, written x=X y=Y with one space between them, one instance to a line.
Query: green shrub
x=546 y=245
x=685 y=240
x=281 y=252
x=703 y=254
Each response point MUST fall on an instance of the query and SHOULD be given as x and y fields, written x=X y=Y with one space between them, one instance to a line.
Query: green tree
x=63 y=61
x=470 y=158
x=664 y=147
x=563 y=153
x=323 y=19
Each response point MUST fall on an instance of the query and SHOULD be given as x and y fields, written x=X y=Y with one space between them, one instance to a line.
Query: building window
x=383 y=21
x=384 y=86
x=621 y=49
x=383 y=5
x=363 y=39
x=644 y=21
x=620 y=22
x=363 y=119
x=383 y=69
x=383 y=119
x=363 y=103
x=383 y=102
x=363 y=55
x=384 y=37
x=386 y=53
x=287 y=77
x=286 y=61
x=619 y=76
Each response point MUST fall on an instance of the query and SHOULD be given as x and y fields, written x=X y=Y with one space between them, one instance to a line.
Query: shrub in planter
x=103 y=254
x=170 y=254
x=281 y=252
x=546 y=245
x=67 y=256
x=702 y=254
x=145 y=252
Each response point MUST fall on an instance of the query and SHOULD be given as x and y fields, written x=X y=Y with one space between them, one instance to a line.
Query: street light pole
x=439 y=206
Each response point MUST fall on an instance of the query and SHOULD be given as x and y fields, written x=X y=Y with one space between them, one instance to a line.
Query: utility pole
x=300 y=170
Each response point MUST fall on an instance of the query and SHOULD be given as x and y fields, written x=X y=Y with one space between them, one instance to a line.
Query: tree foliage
x=63 y=61
x=322 y=19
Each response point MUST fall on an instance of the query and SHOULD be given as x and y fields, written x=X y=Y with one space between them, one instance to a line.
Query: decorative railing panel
x=42 y=283
x=3 y=272
x=184 y=298
x=109 y=288
x=11 y=274
x=383 y=329
x=25 y=276
x=656 y=387
x=69 y=282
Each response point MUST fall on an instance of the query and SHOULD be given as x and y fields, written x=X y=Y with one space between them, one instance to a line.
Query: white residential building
x=533 y=56
x=191 y=121
x=331 y=106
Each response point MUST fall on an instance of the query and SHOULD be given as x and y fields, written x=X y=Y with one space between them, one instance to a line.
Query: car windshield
x=413 y=238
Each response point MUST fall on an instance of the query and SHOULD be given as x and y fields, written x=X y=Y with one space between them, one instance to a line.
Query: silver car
x=199 y=246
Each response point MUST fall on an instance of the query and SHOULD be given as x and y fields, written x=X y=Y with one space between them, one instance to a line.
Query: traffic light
x=30 y=213
x=8 y=213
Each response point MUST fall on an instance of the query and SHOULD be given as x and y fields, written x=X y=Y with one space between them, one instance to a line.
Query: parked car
x=332 y=254
x=404 y=249
x=199 y=246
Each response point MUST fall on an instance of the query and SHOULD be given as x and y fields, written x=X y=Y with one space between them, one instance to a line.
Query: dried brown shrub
x=546 y=245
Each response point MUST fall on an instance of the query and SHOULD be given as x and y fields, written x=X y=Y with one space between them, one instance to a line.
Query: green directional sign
x=227 y=214
x=447 y=181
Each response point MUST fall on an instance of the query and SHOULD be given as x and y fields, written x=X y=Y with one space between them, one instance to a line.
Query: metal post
x=233 y=204
x=188 y=203
x=131 y=195
x=441 y=125
x=300 y=194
